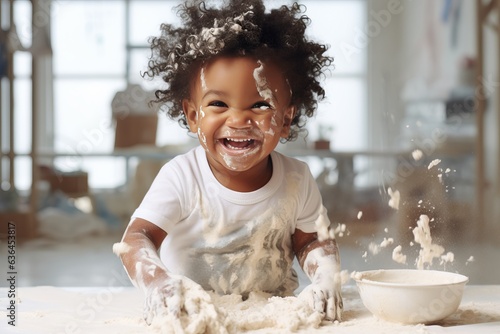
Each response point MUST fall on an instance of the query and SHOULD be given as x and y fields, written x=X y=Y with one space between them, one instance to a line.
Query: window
x=100 y=46
x=89 y=43
x=22 y=95
x=336 y=23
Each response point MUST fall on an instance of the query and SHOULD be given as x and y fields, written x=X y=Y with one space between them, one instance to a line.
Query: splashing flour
x=429 y=251
x=394 y=198
x=120 y=248
x=398 y=256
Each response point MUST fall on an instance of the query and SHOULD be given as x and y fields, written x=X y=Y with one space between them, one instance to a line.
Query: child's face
x=240 y=108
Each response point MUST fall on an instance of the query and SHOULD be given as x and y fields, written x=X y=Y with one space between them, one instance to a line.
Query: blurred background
x=411 y=117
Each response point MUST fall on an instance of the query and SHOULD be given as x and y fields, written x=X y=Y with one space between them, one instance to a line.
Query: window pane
x=138 y=65
x=88 y=37
x=83 y=115
x=103 y=172
x=22 y=173
x=22 y=64
x=339 y=24
x=22 y=115
x=146 y=18
x=171 y=133
x=344 y=109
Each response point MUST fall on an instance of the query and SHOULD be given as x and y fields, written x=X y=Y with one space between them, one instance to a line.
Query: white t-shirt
x=228 y=241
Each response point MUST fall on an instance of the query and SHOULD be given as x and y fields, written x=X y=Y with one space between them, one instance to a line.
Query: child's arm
x=139 y=255
x=321 y=263
x=172 y=298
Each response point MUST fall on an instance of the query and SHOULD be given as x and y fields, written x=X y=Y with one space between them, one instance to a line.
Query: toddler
x=231 y=214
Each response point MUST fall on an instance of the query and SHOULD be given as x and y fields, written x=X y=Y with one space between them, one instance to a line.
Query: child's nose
x=239 y=118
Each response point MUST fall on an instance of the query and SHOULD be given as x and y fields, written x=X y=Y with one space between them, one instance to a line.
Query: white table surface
x=119 y=310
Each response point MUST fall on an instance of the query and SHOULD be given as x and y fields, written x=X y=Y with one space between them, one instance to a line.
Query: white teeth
x=238 y=140
x=248 y=142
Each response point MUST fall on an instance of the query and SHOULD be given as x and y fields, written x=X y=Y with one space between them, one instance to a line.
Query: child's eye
x=261 y=105
x=217 y=104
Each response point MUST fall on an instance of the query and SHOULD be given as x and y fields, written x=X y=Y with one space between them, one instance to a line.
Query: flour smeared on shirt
x=244 y=256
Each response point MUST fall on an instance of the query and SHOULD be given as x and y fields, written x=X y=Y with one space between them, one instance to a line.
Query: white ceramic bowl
x=410 y=296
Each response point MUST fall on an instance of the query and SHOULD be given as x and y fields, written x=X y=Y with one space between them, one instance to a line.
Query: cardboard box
x=322 y=144
x=136 y=129
x=74 y=184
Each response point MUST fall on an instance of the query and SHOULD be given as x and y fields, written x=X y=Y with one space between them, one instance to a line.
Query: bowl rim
x=461 y=279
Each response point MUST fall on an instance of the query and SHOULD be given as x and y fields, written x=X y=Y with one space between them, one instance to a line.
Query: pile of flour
x=260 y=311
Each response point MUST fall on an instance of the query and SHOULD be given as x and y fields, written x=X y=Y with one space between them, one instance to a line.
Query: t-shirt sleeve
x=162 y=204
x=312 y=209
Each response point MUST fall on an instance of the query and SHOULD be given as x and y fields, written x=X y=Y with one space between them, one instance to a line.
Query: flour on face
x=262 y=85
x=201 y=136
x=204 y=87
x=234 y=162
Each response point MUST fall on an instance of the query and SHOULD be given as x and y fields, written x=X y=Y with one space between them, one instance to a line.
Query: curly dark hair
x=238 y=28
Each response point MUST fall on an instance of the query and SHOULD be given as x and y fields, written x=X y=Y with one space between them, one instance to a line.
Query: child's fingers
x=148 y=314
x=334 y=306
x=164 y=312
x=330 y=308
x=174 y=304
x=339 y=306
x=151 y=305
x=328 y=302
x=162 y=302
x=313 y=296
x=319 y=298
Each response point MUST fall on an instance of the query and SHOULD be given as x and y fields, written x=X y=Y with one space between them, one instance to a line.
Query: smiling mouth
x=238 y=143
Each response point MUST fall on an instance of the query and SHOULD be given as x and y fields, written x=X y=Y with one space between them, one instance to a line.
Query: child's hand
x=178 y=305
x=324 y=296
x=322 y=266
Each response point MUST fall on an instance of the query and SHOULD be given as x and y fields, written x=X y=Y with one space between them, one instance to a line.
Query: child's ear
x=191 y=114
x=287 y=121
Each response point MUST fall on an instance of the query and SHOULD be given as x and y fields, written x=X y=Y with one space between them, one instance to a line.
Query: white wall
x=384 y=107
x=492 y=128
x=414 y=55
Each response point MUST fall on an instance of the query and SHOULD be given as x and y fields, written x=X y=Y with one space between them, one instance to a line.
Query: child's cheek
x=270 y=125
